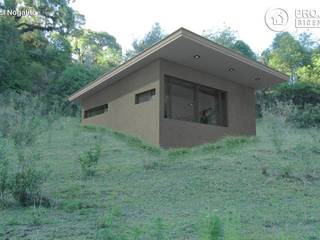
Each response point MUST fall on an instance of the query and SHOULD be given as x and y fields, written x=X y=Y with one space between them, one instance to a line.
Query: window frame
x=222 y=106
x=152 y=93
x=95 y=111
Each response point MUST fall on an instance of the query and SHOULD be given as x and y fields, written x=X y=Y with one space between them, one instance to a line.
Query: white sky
x=127 y=20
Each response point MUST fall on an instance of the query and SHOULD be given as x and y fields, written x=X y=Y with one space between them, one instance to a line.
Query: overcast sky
x=127 y=20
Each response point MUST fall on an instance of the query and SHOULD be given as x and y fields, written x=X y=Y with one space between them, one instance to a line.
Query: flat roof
x=181 y=47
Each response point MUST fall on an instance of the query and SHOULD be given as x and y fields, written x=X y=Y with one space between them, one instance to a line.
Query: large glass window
x=182 y=101
x=193 y=102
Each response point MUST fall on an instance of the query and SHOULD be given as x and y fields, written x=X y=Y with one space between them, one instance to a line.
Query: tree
x=98 y=48
x=228 y=38
x=310 y=73
x=52 y=15
x=13 y=58
x=74 y=77
x=154 y=35
x=286 y=54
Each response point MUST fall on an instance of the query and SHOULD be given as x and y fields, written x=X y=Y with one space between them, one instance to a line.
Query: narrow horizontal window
x=95 y=111
x=145 y=96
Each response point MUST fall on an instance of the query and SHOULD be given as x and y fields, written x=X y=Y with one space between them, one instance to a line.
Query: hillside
x=264 y=187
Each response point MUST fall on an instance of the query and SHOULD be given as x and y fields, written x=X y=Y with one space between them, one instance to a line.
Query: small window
x=145 y=96
x=95 y=111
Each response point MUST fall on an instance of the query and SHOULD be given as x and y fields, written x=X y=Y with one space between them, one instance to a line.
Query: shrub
x=108 y=229
x=26 y=186
x=299 y=93
x=4 y=168
x=213 y=229
x=300 y=116
x=158 y=230
x=89 y=160
x=308 y=116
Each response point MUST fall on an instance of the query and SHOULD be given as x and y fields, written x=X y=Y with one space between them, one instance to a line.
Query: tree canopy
x=154 y=35
x=228 y=38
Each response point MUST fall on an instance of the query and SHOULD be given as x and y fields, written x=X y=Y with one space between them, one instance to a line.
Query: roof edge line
x=201 y=40
x=177 y=34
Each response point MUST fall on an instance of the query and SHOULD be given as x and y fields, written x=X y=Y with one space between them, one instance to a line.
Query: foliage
x=51 y=15
x=4 y=168
x=13 y=60
x=225 y=181
x=213 y=229
x=108 y=229
x=89 y=160
x=26 y=184
x=305 y=116
x=21 y=123
x=299 y=93
x=154 y=35
x=158 y=230
x=74 y=77
x=20 y=118
x=228 y=38
x=310 y=73
x=288 y=53
x=96 y=48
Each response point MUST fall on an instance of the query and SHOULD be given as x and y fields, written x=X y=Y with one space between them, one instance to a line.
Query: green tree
x=286 y=54
x=13 y=57
x=99 y=48
x=228 y=38
x=52 y=15
x=310 y=73
x=154 y=35
x=74 y=77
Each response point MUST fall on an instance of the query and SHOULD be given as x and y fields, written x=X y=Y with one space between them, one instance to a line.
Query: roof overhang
x=181 y=47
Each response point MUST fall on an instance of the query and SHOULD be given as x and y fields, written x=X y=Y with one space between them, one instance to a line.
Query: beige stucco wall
x=124 y=115
x=240 y=108
x=146 y=120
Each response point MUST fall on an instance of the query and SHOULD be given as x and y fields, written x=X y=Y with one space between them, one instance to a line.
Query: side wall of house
x=240 y=110
x=123 y=114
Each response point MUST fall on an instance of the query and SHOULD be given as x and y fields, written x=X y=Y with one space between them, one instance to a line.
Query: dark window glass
x=182 y=101
x=193 y=102
x=145 y=96
x=95 y=111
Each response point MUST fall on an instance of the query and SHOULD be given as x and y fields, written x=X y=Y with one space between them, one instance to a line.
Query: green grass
x=264 y=187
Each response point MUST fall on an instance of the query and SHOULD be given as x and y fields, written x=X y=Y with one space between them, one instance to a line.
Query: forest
x=61 y=180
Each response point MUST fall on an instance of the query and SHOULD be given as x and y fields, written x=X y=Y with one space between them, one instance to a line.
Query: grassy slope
x=136 y=185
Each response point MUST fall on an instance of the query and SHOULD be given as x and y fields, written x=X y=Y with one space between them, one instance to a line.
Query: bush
x=158 y=230
x=89 y=160
x=299 y=93
x=4 y=168
x=304 y=117
x=308 y=116
x=26 y=183
x=212 y=229
x=108 y=229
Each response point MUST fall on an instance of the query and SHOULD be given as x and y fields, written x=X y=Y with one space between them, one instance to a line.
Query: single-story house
x=183 y=91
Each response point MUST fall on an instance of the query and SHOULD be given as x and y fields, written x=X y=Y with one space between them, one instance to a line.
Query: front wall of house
x=240 y=110
x=123 y=114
